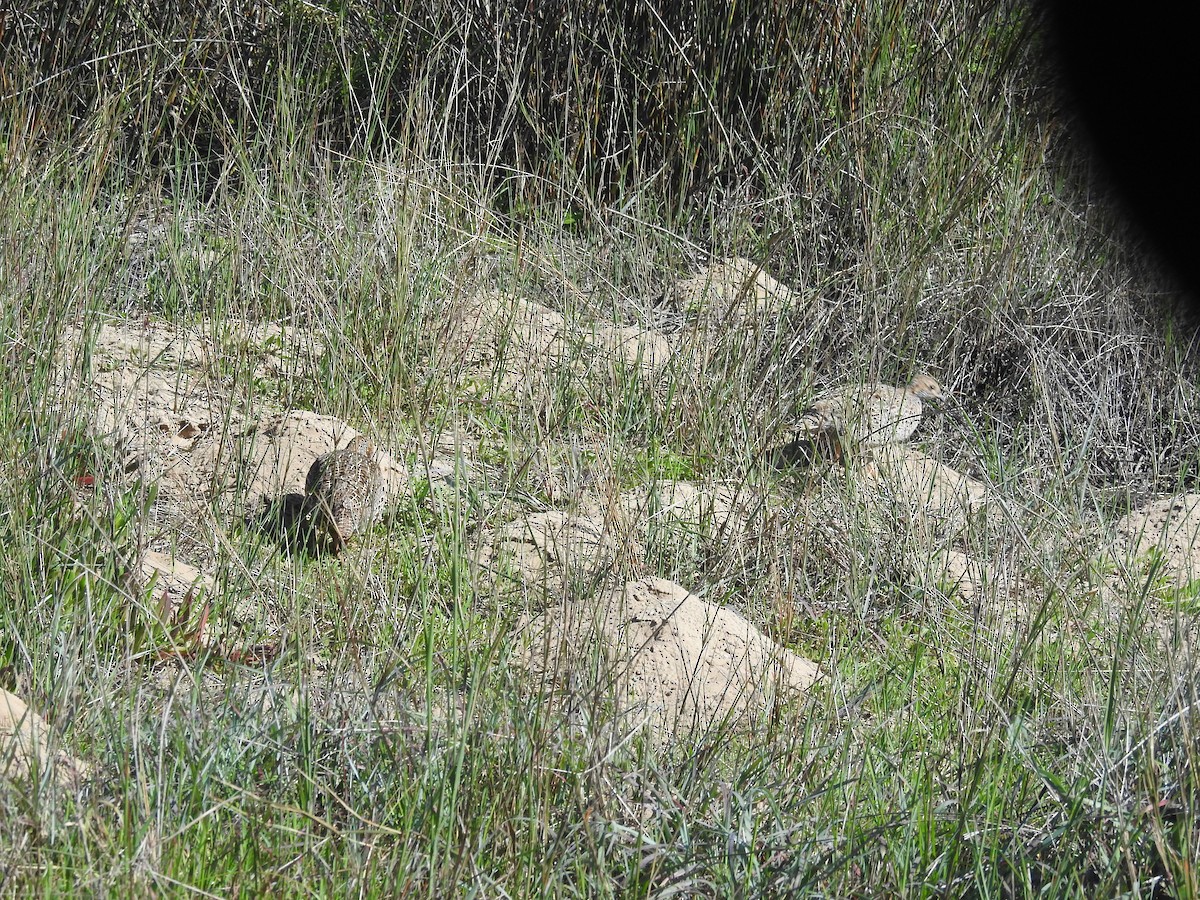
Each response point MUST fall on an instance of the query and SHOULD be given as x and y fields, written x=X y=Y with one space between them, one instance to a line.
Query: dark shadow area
x=1129 y=78
x=283 y=522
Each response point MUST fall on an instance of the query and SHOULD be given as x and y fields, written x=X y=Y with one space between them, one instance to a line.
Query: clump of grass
x=361 y=173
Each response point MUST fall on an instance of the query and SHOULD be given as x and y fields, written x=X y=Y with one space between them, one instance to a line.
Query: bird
x=868 y=415
x=341 y=493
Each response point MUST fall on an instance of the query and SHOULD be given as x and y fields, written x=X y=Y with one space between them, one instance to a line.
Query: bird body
x=868 y=415
x=342 y=492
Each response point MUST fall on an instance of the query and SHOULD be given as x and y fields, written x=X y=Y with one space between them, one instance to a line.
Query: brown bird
x=343 y=490
x=868 y=415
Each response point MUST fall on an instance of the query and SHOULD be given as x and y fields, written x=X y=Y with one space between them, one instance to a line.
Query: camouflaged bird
x=342 y=492
x=868 y=415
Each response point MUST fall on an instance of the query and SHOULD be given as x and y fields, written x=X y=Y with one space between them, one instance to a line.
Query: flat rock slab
x=961 y=573
x=636 y=347
x=939 y=499
x=174 y=578
x=685 y=503
x=997 y=596
x=679 y=661
x=731 y=290
x=546 y=547
x=155 y=383
x=1168 y=530
x=26 y=748
x=519 y=338
x=733 y=515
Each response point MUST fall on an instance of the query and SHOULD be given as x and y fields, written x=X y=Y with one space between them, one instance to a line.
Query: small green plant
x=360 y=176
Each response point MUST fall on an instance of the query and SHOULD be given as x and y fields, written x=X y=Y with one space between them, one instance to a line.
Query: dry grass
x=901 y=171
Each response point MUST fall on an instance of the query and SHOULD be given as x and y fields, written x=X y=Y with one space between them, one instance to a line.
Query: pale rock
x=937 y=499
x=1169 y=529
x=731 y=290
x=26 y=747
x=680 y=663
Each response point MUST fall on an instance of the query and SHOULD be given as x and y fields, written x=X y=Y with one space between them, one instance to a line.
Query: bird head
x=927 y=388
x=362 y=444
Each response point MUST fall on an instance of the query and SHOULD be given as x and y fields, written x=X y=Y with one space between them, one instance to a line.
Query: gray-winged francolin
x=342 y=491
x=867 y=415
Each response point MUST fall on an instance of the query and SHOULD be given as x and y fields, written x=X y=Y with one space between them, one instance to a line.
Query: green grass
x=900 y=169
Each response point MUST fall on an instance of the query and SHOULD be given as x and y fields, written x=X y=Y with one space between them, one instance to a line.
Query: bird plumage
x=868 y=415
x=342 y=492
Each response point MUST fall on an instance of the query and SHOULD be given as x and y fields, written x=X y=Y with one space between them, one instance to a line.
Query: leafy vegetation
x=361 y=171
